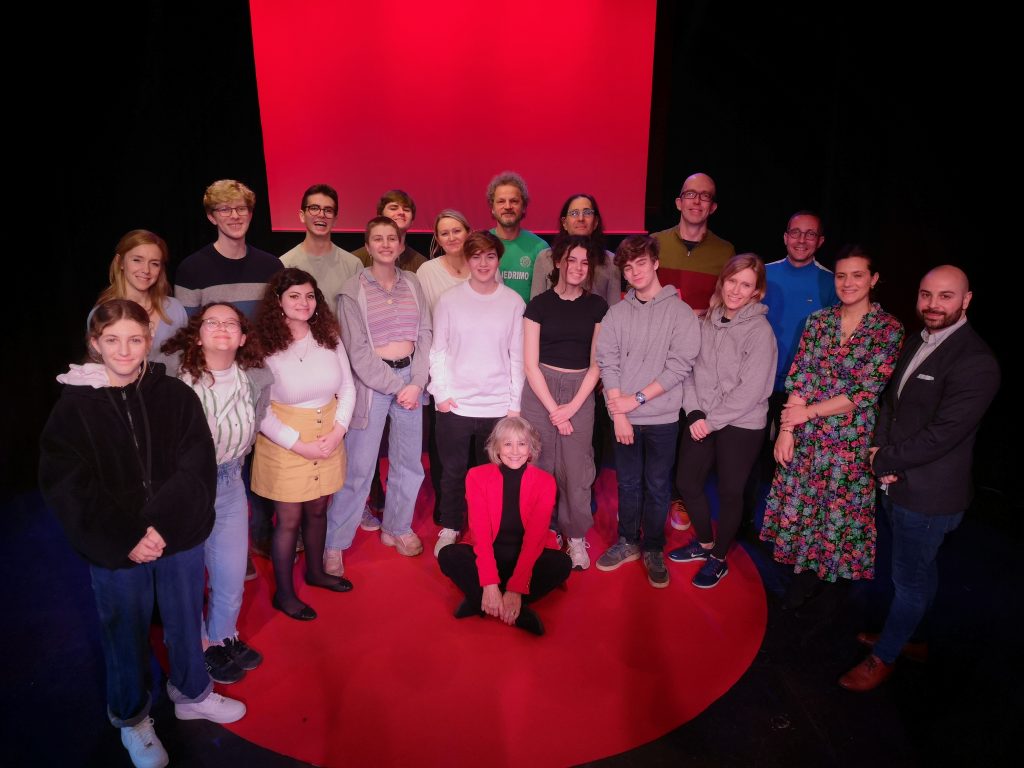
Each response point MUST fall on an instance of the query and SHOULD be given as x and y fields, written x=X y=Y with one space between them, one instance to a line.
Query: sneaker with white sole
x=444 y=538
x=143 y=746
x=215 y=708
x=657 y=571
x=678 y=517
x=407 y=544
x=712 y=572
x=689 y=553
x=333 y=564
x=619 y=553
x=370 y=521
x=577 y=551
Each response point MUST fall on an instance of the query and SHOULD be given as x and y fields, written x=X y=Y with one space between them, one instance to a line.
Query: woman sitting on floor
x=510 y=556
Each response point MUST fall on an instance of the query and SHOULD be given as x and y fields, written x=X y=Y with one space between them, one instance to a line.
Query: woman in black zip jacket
x=127 y=464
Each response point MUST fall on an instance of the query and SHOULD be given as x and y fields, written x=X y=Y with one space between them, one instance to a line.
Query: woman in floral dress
x=820 y=513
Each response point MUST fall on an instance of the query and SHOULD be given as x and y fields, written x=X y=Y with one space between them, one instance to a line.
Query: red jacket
x=484 y=486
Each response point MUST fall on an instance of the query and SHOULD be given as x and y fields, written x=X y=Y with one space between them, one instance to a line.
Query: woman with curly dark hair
x=214 y=355
x=300 y=459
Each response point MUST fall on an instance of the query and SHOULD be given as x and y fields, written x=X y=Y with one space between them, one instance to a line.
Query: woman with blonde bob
x=138 y=272
x=510 y=557
x=726 y=404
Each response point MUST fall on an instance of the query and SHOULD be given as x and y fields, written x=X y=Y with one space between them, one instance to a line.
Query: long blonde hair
x=118 y=288
x=738 y=263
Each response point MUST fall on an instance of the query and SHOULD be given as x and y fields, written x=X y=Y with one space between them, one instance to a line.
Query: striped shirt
x=228 y=406
x=390 y=315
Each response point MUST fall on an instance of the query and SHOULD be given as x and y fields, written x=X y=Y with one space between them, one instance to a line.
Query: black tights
x=313 y=516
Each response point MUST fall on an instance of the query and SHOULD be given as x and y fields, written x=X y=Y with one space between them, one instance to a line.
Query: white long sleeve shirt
x=477 y=355
x=307 y=375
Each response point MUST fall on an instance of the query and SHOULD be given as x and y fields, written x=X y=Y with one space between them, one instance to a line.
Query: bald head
x=696 y=203
x=949 y=273
x=699 y=181
x=943 y=297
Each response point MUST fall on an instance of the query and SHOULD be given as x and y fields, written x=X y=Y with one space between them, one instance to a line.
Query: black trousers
x=732 y=452
x=454 y=434
x=458 y=563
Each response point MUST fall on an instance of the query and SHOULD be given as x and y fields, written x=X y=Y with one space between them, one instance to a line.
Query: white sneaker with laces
x=577 y=551
x=215 y=708
x=444 y=538
x=143 y=746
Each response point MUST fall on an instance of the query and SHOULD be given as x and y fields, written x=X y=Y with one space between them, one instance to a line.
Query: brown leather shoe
x=912 y=651
x=867 y=675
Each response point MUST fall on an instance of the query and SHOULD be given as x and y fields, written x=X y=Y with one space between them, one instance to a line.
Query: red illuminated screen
x=436 y=98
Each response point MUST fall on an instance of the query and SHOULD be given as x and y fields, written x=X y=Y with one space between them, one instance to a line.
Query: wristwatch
x=640 y=397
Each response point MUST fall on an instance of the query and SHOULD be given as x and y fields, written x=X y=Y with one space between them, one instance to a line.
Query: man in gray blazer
x=944 y=382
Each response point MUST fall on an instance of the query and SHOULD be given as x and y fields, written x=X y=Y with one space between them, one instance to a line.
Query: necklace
x=305 y=349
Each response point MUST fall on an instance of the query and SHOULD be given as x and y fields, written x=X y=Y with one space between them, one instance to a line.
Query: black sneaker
x=244 y=657
x=220 y=665
x=689 y=553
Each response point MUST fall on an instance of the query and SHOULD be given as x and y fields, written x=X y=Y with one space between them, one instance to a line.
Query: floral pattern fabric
x=820 y=513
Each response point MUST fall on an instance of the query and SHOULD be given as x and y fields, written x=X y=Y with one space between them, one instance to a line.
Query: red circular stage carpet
x=386 y=676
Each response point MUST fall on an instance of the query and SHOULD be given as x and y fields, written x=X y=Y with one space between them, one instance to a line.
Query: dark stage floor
x=962 y=707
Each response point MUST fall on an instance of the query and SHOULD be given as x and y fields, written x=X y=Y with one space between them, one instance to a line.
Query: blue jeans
x=225 y=553
x=644 y=471
x=915 y=575
x=405 y=469
x=124 y=600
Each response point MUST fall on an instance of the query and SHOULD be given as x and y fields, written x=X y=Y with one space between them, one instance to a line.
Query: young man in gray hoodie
x=646 y=348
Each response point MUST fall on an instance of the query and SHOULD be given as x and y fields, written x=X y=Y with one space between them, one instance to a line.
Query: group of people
x=269 y=385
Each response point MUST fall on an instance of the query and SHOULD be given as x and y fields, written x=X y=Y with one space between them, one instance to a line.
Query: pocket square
x=926 y=377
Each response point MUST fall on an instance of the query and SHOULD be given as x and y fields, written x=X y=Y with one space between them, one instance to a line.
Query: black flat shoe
x=529 y=621
x=305 y=613
x=342 y=585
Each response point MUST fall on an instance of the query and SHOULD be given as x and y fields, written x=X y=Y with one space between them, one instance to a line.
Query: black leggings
x=731 y=451
x=458 y=563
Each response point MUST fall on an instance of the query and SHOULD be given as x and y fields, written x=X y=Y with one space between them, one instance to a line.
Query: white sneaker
x=577 y=551
x=333 y=563
x=444 y=538
x=143 y=746
x=215 y=708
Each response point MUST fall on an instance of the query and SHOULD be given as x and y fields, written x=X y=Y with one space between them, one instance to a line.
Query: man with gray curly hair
x=508 y=199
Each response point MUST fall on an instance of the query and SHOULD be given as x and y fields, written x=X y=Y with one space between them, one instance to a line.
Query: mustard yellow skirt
x=283 y=475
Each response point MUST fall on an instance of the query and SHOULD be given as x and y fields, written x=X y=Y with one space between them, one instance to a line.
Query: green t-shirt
x=517 y=263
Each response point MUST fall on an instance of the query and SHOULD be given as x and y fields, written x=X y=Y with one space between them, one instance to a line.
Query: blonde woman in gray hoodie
x=726 y=404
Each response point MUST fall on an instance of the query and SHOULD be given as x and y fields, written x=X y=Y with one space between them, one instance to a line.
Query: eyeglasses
x=585 y=212
x=797 y=234
x=227 y=210
x=690 y=194
x=213 y=324
x=327 y=210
